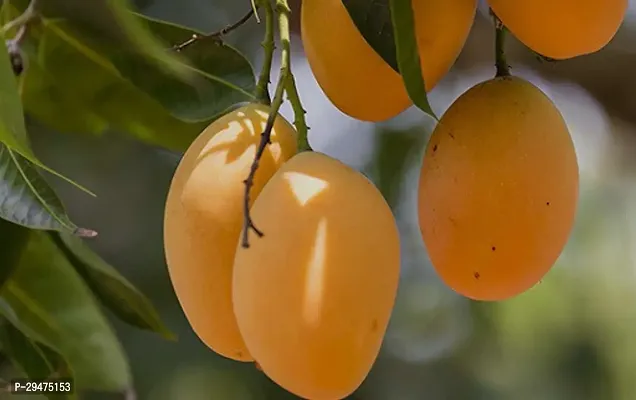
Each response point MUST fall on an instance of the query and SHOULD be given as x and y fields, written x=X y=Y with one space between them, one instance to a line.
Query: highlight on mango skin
x=204 y=217
x=311 y=300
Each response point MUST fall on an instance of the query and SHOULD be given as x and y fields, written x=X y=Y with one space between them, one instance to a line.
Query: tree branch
x=23 y=19
x=215 y=35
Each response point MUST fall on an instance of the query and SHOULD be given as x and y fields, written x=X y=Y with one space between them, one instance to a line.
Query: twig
x=546 y=59
x=215 y=35
x=299 y=114
x=255 y=9
x=503 y=69
x=22 y=23
x=283 y=11
x=23 y=19
x=262 y=88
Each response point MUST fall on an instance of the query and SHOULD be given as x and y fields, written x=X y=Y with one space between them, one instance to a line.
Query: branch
x=255 y=9
x=503 y=69
x=22 y=24
x=262 y=88
x=283 y=11
x=299 y=114
x=215 y=35
x=23 y=19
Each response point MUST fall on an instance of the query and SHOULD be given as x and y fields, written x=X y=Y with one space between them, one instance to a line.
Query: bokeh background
x=571 y=337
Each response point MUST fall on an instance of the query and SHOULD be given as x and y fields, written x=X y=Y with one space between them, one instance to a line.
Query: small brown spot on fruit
x=434 y=148
x=547 y=203
x=493 y=248
x=477 y=275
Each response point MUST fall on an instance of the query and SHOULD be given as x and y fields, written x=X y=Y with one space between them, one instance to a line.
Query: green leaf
x=389 y=28
x=12 y=126
x=35 y=360
x=14 y=239
x=373 y=20
x=114 y=291
x=407 y=51
x=49 y=102
x=222 y=75
x=71 y=78
x=12 y=130
x=145 y=42
x=111 y=20
x=50 y=303
x=217 y=75
x=26 y=198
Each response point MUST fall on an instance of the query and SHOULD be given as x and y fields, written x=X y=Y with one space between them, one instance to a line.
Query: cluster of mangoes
x=310 y=300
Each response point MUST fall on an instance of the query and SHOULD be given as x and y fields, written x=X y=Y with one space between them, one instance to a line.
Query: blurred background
x=571 y=337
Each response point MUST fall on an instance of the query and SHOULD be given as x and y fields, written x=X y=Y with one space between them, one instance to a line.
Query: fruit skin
x=355 y=78
x=204 y=217
x=498 y=189
x=313 y=297
x=562 y=29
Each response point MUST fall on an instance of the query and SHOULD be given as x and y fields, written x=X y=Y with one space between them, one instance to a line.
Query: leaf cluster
x=88 y=69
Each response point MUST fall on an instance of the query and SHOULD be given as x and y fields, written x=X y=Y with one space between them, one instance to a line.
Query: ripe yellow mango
x=355 y=78
x=498 y=189
x=204 y=218
x=313 y=296
x=562 y=29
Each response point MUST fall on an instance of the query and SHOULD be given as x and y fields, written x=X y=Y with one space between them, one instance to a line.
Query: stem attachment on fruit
x=503 y=69
x=282 y=11
x=299 y=114
x=218 y=35
x=262 y=87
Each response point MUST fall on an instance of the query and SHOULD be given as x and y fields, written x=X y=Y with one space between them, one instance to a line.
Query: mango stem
x=503 y=69
x=268 y=44
x=282 y=11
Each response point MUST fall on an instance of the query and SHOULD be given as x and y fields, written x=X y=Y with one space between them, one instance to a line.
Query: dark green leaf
x=13 y=238
x=72 y=79
x=115 y=291
x=27 y=199
x=50 y=303
x=35 y=360
x=222 y=76
x=408 y=57
x=218 y=76
x=373 y=20
x=397 y=150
